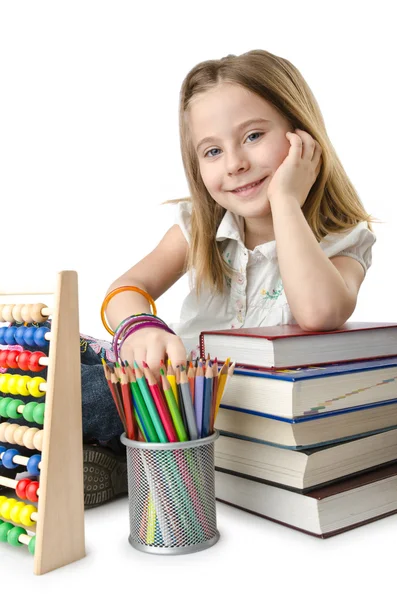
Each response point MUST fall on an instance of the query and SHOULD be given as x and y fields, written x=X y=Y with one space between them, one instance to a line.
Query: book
x=305 y=432
x=307 y=468
x=289 y=346
x=312 y=390
x=326 y=511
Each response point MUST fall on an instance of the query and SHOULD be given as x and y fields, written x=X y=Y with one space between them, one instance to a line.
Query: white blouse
x=255 y=295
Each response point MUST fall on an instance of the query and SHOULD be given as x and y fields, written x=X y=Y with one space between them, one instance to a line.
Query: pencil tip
x=145 y=365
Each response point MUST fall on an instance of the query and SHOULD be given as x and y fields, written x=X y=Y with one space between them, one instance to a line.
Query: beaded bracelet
x=117 y=344
x=124 y=288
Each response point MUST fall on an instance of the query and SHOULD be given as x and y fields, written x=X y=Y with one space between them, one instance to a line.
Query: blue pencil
x=208 y=381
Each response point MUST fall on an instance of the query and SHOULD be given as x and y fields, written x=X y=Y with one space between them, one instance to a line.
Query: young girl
x=273 y=231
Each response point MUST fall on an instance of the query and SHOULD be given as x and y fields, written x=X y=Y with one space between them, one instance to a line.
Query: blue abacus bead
x=33 y=465
x=9 y=335
x=2 y=449
x=7 y=459
x=19 y=335
x=29 y=336
x=2 y=332
x=39 y=337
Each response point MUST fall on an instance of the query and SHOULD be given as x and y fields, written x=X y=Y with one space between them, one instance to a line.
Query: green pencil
x=150 y=405
x=145 y=420
x=174 y=410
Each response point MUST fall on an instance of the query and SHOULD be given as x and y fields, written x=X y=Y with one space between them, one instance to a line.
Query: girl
x=273 y=231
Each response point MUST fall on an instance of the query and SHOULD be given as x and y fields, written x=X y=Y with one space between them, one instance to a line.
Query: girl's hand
x=298 y=172
x=150 y=344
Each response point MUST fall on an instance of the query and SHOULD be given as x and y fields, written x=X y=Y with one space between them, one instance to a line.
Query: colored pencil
x=199 y=397
x=150 y=404
x=161 y=404
x=205 y=429
x=127 y=402
x=188 y=405
x=173 y=408
x=141 y=408
x=191 y=375
x=171 y=378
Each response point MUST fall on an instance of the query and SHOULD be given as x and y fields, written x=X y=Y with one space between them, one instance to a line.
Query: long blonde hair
x=332 y=205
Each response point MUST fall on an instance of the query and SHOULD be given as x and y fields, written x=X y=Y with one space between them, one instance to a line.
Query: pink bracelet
x=135 y=327
x=133 y=320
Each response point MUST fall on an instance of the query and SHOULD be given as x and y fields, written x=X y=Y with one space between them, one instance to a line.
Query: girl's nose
x=236 y=162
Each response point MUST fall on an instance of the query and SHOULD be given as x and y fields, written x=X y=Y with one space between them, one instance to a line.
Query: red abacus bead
x=34 y=361
x=31 y=491
x=21 y=488
x=12 y=359
x=23 y=360
x=3 y=359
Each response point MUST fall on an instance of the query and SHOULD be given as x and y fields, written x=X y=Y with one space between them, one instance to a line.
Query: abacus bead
x=12 y=384
x=29 y=336
x=13 y=536
x=23 y=360
x=4 y=378
x=3 y=427
x=19 y=433
x=34 y=361
x=20 y=490
x=9 y=432
x=1 y=313
x=22 y=385
x=6 y=507
x=15 y=512
x=7 y=313
x=26 y=513
x=16 y=313
x=38 y=413
x=36 y=313
x=3 y=406
x=12 y=407
x=12 y=359
x=26 y=313
x=7 y=459
x=2 y=332
x=4 y=529
x=31 y=491
x=3 y=358
x=9 y=335
x=19 y=335
x=32 y=544
x=2 y=449
x=34 y=386
x=39 y=337
x=33 y=465
x=28 y=411
x=28 y=438
x=38 y=440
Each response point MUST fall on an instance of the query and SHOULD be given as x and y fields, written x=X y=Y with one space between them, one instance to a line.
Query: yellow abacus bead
x=22 y=385
x=19 y=433
x=26 y=313
x=2 y=499
x=12 y=384
x=1 y=313
x=15 y=512
x=3 y=427
x=9 y=432
x=7 y=313
x=36 y=313
x=28 y=438
x=38 y=440
x=16 y=313
x=6 y=507
x=26 y=513
x=33 y=386
x=4 y=378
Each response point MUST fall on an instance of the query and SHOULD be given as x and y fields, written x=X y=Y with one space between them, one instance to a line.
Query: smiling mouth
x=251 y=185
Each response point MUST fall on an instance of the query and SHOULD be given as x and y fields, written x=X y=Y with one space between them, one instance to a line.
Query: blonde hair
x=332 y=205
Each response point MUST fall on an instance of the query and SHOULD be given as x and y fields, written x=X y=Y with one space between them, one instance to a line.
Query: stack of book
x=308 y=424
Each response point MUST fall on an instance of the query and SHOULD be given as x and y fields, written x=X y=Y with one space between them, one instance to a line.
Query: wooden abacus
x=55 y=519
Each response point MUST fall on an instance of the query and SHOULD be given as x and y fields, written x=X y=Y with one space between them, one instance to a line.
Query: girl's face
x=233 y=153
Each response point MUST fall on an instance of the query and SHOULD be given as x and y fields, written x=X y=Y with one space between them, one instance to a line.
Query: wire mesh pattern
x=172 y=495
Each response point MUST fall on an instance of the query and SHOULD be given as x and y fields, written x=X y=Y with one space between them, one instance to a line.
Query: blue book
x=309 y=391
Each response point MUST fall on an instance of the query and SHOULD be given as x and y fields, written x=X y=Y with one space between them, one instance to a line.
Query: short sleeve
x=183 y=217
x=356 y=243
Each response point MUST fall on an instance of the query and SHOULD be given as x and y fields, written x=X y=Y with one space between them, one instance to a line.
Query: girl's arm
x=155 y=274
x=321 y=292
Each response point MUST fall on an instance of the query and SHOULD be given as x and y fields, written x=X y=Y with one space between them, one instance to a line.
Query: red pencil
x=161 y=404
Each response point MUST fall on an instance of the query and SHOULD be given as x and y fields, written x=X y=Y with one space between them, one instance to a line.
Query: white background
x=89 y=149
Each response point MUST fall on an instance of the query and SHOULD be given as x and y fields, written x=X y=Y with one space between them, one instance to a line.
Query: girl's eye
x=258 y=133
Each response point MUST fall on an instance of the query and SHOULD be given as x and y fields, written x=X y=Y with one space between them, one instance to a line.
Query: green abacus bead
x=32 y=545
x=3 y=407
x=4 y=529
x=12 y=406
x=38 y=413
x=13 y=536
x=28 y=411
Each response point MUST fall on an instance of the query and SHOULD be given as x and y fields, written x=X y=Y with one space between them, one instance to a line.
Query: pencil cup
x=171 y=489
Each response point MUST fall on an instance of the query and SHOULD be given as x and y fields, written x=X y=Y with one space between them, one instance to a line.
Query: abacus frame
x=60 y=537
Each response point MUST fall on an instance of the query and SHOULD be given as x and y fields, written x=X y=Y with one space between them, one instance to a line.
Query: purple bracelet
x=133 y=320
x=117 y=347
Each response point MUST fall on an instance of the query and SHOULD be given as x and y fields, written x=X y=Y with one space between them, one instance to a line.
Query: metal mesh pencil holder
x=171 y=489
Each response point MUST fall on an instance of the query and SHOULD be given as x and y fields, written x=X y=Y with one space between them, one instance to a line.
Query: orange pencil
x=191 y=375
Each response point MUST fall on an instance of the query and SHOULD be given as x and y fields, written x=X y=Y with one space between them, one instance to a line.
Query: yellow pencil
x=222 y=377
x=172 y=379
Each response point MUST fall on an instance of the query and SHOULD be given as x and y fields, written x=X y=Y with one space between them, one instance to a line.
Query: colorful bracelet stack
x=132 y=324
